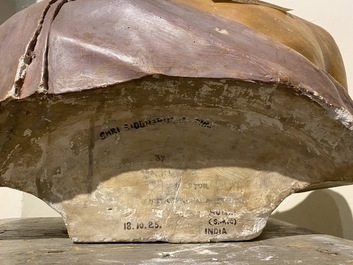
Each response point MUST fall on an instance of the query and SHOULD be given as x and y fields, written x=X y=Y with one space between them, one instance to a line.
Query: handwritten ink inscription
x=159 y=158
x=222 y=221
x=128 y=226
x=137 y=125
x=163 y=201
x=105 y=134
x=219 y=219
x=203 y=123
x=215 y=231
x=198 y=186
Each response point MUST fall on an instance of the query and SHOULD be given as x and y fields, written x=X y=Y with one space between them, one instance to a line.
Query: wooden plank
x=44 y=241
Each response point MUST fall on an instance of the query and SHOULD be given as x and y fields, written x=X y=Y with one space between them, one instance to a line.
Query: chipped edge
x=27 y=58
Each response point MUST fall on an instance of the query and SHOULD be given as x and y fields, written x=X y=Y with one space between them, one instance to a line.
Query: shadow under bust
x=324 y=211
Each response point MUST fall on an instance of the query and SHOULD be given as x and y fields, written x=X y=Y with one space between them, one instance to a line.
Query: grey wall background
x=9 y=7
x=327 y=211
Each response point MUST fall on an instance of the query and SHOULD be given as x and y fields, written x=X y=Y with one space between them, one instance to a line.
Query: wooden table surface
x=45 y=241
